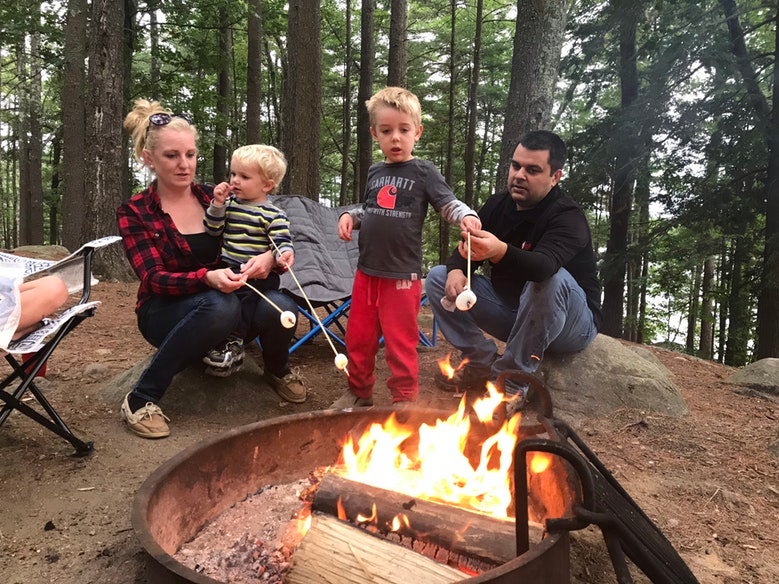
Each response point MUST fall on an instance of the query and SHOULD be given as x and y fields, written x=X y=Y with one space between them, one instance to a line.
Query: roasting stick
x=469 y=261
x=287 y=318
x=466 y=299
x=341 y=361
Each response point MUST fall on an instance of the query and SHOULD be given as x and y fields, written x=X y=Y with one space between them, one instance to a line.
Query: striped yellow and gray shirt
x=248 y=229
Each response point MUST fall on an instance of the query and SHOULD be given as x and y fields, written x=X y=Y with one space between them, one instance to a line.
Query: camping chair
x=37 y=346
x=325 y=267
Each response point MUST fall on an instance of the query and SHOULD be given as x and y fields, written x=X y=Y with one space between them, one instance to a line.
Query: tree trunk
x=723 y=293
x=303 y=99
x=397 y=59
x=642 y=249
x=130 y=34
x=538 y=38
x=73 y=123
x=56 y=179
x=272 y=97
x=768 y=301
x=154 y=48
x=31 y=151
x=473 y=89
x=706 y=347
x=104 y=155
x=626 y=157
x=693 y=309
x=223 y=96
x=443 y=226
x=738 y=307
x=346 y=117
x=364 y=92
x=254 y=73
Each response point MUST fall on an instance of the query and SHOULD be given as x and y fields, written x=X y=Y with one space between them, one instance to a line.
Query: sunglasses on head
x=163 y=119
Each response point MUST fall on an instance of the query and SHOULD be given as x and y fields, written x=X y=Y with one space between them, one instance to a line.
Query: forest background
x=668 y=108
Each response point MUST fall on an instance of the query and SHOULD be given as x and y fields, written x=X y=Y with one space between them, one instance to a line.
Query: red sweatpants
x=391 y=307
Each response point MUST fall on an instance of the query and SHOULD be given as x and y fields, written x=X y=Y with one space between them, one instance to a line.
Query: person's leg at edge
x=182 y=329
x=398 y=306
x=362 y=335
x=553 y=315
x=464 y=330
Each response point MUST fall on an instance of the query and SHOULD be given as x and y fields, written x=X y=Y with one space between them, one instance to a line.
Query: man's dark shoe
x=470 y=377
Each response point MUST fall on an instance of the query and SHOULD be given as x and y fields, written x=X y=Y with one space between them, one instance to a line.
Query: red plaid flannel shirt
x=158 y=253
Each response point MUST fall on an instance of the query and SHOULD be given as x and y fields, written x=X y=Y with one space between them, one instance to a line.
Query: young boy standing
x=251 y=226
x=388 y=284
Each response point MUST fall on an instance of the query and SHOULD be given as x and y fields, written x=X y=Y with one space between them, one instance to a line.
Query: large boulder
x=762 y=375
x=606 y=376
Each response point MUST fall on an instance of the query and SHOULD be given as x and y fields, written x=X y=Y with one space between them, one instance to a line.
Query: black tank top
x=204 y=247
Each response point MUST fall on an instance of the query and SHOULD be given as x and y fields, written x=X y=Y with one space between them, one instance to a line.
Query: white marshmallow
x=465 y=300
x=341 y=361
x=288 y=319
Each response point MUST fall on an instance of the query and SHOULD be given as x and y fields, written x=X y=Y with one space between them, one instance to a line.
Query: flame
x=446 y=367
x=438 y=467
x=368 y=518
x=540 y=462
x=304 y=522
x=400 y=520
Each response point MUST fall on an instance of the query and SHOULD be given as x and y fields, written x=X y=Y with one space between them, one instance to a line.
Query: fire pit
x=198 y=484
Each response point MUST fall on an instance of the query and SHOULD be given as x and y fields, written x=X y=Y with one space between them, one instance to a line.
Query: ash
x=254 y=540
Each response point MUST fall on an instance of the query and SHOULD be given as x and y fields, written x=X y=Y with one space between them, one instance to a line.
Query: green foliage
x=705 y=146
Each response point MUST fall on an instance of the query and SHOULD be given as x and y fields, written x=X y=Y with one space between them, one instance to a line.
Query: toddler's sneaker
x=349 y=400
x=225 y=360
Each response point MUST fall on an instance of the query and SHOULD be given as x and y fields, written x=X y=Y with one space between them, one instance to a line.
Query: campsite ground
x=708 y=480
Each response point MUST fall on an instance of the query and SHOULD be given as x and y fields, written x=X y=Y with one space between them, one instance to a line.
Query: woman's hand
x=259 y=266
x=225 y=280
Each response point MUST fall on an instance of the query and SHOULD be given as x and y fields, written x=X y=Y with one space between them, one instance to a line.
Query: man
x=542 y=292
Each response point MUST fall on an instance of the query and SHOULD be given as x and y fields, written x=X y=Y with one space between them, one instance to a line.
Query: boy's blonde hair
x=137 y=123
x=398 y=98
x=270 y=161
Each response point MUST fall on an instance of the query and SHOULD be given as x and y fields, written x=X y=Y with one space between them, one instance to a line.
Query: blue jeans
x=552 y=315
x=184 y=328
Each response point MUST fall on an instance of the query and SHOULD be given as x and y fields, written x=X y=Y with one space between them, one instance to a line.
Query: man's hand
x=221 y=192
x=345 y=227
x=484 y=246
x=455 y=283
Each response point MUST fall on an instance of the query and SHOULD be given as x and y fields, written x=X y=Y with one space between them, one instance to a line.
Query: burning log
x=334 y=551
x=450 y=534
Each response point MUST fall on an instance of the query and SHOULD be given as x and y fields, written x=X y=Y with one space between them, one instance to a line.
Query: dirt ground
x=708 y=480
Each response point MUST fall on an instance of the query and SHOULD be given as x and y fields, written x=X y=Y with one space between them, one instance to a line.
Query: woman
x=185 y=300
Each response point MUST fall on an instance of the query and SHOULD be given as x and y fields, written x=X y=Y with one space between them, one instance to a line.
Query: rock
x=762 y=375
x=606 y=376
x=243 y=395
x=42 y=252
